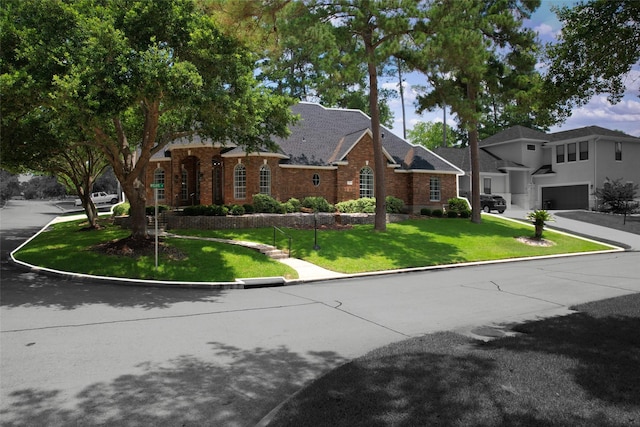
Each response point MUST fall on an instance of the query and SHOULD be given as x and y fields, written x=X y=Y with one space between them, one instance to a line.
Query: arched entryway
x=217 y=184
x=189 y=192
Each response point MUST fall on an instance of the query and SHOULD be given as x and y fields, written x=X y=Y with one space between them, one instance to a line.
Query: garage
x=566 y=197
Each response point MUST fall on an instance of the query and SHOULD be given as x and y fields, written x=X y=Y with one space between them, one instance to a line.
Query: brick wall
x=335 y=185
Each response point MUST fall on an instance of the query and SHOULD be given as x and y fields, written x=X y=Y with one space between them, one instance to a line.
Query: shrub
x=465 y=213
x=318 y=204
x=437 y=213
x=293 y=205
x=248 y=208
x=205 y=210
x=121 y=209
x=452 y=214
x=151 y=210
x=394 y=205
x=425 y=211
x=237 y=210
x=264 y=203
x=457 y=205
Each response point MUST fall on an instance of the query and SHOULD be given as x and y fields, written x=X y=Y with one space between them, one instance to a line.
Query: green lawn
x=413 y=243
x=66 y=247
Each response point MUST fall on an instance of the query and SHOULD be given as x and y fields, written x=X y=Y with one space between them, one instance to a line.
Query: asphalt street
x=78 y=353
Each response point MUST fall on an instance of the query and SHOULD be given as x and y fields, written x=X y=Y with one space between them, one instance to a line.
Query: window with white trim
x=584 y=150
x=571 y=152
x=158 y=178
x=265 y=180
x=618 y=151
x=560 y=154
x=184 y=185
x=240 y=181
x=366 y=182
x=434 y=189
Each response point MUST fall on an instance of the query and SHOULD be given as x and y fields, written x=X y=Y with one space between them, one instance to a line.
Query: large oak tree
x=136 y=75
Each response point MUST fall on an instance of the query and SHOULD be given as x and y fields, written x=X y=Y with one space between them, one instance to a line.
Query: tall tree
x=599 y=43
x=429 y=134
x=377 y=26
x=457 y=48
x=137 y=75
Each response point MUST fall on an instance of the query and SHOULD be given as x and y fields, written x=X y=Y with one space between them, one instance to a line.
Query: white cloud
x=624 y=116
x=546 y=30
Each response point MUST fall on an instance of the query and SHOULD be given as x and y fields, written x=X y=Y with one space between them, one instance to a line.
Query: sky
x=624 y=116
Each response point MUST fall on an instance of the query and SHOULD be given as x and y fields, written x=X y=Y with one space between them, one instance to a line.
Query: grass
x=66 y=247
x=413 y=243
x=582 y=369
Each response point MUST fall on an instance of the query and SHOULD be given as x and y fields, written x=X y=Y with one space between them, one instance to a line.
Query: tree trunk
x=378 y=156
x=136 y=195
x=539 y=229
x=91 y=211
x=475 y=161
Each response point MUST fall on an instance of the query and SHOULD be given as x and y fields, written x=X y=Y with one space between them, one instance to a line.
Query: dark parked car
x=493 y=203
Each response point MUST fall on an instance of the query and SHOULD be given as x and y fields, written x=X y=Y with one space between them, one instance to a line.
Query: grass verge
x=66 y=247
x=413 y=243
x=577 y=370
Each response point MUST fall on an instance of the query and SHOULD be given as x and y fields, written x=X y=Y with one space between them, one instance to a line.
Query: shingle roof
x=514 y=133
x=324 y=136
x=461 y=157
x=588 y=131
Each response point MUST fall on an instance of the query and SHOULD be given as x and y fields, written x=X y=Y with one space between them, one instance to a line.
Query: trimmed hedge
x=205 y=210
x=317 y=204
x=368 y=205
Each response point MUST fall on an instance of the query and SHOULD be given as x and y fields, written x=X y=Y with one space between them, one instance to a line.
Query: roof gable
x=489 y=163
x=589 y=131
x=324 y=136
x=515 y=133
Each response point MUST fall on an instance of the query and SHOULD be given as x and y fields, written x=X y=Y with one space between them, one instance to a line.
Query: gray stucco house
x=561 y=170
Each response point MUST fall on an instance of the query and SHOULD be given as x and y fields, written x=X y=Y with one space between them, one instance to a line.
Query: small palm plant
x=539 y=218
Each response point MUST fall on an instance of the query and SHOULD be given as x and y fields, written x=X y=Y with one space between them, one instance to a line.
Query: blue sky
x=624 y=116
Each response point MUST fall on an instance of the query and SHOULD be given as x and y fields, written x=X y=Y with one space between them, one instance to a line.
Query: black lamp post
x=315 y=231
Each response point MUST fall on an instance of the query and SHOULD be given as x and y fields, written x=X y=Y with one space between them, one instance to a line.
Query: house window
x=619 y=151
x=240 y=182
x=560 y=154
x=184 y=185
x=487 y=185
x=366 y=182
x=434 y=189
x=584 y=150
x=531 y=147
x=158 y=178
x=316 y=179
x=571 y=152
x=265 y=180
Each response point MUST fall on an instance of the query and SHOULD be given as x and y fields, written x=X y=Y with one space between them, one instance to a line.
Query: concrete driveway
x=77 y=353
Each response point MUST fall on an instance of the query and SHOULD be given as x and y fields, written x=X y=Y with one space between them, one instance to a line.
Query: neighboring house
x=329 y=153
x=561 y=170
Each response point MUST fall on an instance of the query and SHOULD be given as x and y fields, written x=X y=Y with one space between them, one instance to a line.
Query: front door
x=216 y=180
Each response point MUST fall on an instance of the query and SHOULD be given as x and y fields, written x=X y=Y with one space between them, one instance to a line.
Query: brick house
x=329 y=153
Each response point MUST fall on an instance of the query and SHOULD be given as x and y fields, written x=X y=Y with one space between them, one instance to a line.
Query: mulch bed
x=136 y=248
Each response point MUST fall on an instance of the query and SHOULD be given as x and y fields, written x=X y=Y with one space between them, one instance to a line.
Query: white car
x=100 y=197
